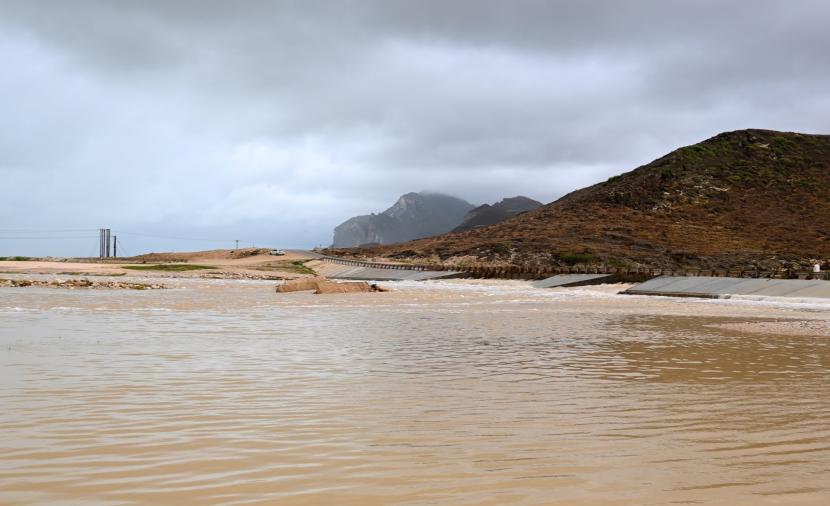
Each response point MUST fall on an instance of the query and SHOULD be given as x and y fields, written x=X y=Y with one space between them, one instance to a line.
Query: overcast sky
x=274 y=121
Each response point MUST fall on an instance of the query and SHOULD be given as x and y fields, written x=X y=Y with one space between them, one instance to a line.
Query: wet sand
x=453 y=392
x=77 y=283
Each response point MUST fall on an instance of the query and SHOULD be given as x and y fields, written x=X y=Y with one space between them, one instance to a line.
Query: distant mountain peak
x=412 y=216
x=486 y=214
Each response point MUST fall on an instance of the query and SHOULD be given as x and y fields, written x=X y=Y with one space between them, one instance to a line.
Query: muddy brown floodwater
x=456 y=393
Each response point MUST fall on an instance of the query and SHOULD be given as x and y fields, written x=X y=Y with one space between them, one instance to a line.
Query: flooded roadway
x=222 y=392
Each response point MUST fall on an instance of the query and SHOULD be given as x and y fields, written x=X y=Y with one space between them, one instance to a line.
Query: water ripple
x=434 y=394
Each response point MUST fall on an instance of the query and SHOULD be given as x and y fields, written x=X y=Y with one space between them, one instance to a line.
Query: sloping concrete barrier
x=373 y=274
x=721 y=288
x=564 y=280
x=344 y=268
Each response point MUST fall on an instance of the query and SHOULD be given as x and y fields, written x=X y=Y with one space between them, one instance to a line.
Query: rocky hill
x=413 y=216
x=487 y=214
x=740 y=199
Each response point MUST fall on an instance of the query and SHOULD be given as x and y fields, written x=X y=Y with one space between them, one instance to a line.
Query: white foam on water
x=517 y=292
x=790 y=302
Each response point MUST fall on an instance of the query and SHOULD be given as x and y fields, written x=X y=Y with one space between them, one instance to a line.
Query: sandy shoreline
x=765 y=317
x=224 y=264
x=776 y=318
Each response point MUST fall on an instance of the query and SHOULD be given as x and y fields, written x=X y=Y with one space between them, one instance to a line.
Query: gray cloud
x=276 y=120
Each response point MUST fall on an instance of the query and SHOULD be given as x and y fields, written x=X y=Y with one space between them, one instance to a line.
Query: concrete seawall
x=569 y=280
x=720 y=288
x=341 y=268
x=370 y=274
x=542 y=272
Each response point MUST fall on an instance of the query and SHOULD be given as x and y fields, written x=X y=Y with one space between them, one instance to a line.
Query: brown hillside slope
x=740 y=199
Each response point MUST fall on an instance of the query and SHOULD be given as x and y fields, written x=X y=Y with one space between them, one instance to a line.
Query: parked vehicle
x=277 y=252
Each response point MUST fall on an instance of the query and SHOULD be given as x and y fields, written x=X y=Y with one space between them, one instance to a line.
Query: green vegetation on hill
x=743 y=199
x=294 y=267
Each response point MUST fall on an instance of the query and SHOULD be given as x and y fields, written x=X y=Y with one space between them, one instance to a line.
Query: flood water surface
x=223 y=392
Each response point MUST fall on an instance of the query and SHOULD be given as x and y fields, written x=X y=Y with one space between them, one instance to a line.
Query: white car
x=277 y=252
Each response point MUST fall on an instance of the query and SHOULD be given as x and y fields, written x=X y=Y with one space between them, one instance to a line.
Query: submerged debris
x=79 y=283
x=320 y=286
x=297 y=285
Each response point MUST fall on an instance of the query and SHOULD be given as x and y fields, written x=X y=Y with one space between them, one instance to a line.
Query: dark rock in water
x=487 y=214
x=414 y=215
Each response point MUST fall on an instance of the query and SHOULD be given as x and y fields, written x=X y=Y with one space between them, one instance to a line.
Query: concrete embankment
x=553 y=276
x=335 y=268
x=719 y=288
x=373 y=274
x=567 y=280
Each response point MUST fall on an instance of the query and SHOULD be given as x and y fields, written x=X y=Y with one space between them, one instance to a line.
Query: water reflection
x=218 y=393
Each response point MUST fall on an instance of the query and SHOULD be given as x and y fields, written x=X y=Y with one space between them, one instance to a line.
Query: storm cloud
x=272 y=122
